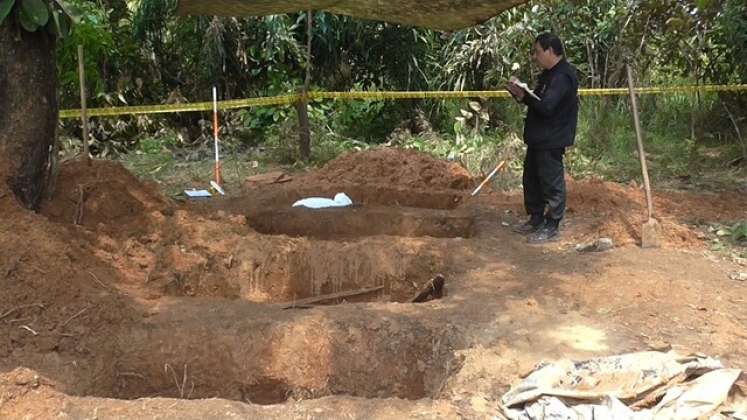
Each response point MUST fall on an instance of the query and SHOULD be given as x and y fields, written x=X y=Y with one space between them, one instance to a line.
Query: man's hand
x=516 y=91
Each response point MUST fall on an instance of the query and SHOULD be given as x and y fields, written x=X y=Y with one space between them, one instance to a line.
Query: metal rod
x=218 y=174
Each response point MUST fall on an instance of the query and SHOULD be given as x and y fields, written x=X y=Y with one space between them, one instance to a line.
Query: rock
x=600 y=245
x=739 y=276
x=479 y=404
x=26 y=377
x=658 y=345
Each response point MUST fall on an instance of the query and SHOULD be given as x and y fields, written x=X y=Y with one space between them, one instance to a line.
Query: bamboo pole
x=304 y=135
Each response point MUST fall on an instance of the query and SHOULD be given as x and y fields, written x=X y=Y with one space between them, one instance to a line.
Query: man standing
x=549 y=127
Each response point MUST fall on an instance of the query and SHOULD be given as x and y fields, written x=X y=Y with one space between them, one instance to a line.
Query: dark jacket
x=551 y=122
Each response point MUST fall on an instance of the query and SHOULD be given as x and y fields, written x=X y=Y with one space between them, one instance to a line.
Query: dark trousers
x=544 y=183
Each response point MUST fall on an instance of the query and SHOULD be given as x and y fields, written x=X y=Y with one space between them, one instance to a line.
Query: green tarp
x=444 y=15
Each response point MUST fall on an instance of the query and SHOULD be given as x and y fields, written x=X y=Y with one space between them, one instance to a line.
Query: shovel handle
x=491 y=175
x=639 y=138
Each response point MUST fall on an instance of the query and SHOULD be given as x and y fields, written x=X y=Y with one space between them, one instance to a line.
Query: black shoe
x=531 y=226
x=548 y=233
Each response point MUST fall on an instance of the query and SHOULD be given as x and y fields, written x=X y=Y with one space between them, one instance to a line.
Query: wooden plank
x=338 y=295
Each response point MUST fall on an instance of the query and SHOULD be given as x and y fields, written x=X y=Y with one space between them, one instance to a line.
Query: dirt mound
x=57 y=303
x=395 y=167
x=620 y=211
x=102 y=194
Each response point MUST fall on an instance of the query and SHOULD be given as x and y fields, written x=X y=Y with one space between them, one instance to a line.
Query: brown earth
x=388 y=166
x=157 y=300
x=109 y=197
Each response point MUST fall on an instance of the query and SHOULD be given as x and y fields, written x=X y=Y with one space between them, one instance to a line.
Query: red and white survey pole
x=218 y=177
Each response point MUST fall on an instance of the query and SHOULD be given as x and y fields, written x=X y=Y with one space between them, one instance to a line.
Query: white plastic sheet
x=639 y=386
x=340 y=200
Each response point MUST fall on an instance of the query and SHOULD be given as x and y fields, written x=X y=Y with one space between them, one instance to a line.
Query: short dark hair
x=550 y=40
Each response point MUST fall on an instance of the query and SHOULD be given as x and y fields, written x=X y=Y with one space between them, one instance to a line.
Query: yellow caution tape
x=173 y=108
x=664 y=89
x=409 y=95
x=291 y=99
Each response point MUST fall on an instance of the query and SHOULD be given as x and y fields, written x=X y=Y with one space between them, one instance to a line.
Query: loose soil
x=394 y=167
x=125 y=295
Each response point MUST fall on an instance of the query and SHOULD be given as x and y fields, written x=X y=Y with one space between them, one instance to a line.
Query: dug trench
x=251 y=353
x=259 y=248
x=360 y=222
x=212 y=298
x=144 y=297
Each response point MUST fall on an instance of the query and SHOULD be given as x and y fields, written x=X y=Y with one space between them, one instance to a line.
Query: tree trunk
x=28 y=109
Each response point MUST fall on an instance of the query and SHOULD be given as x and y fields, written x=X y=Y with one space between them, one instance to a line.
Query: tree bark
x=28 y=110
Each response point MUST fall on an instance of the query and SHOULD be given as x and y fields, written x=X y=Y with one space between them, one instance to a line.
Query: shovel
x=488 y=178
x=651 y=229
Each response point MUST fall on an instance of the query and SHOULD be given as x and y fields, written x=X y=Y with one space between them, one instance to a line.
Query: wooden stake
x=78 y=218
x=304 y=134
x=83 y=105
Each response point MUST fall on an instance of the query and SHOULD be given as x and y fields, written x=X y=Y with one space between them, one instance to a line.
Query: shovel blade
x=651 y=234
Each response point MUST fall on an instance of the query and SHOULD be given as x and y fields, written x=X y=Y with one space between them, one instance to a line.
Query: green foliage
x=31 y=15
x=485 y=56
x=349 y=52
x=5 y=7
x=739 y=233
x=151 y=145
x=370 y=121
x=92 y=32
x=138 y=52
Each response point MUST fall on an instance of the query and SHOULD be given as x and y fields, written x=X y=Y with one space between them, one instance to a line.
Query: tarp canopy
x=446 y=15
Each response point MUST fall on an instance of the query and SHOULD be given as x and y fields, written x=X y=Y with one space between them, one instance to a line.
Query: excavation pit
x=277 y=269
x=369 y=195
x=244 y=352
